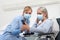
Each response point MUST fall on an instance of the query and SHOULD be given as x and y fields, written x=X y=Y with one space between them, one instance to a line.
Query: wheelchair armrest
x=45 y=34
x=28 y=34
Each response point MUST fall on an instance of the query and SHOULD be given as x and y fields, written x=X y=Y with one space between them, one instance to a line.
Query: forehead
x=29 y=11
x=39 y=11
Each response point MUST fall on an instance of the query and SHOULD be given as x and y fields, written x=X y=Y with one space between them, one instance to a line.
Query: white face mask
x=27 y=16
x=40 y=17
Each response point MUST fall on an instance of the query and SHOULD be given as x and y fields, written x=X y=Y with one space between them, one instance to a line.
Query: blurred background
x=11 y=8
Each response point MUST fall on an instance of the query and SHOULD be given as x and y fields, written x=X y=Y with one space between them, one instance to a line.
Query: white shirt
x=44 y=27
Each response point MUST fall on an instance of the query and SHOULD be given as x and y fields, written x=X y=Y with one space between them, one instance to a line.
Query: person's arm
x=25 y=27
x=44 y=28
x=14 y=27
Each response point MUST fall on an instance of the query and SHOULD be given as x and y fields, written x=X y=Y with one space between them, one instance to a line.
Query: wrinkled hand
x=25 y=27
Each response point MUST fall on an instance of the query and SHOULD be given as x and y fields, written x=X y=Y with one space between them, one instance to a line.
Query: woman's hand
x=25 y=27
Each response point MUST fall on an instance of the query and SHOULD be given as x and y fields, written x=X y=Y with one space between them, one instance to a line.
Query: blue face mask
x=40 y=17
x=27 y=16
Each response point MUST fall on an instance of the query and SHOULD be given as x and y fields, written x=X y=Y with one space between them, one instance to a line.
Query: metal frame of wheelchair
x=43 y=36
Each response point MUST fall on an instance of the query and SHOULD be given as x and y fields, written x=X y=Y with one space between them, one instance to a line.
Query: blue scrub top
x=14 y=29
x=15 y=26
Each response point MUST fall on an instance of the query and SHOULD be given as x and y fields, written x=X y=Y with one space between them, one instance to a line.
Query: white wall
x=53 y=10
x=7 y=17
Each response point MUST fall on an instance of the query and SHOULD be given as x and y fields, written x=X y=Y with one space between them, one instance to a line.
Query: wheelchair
x=44 y=36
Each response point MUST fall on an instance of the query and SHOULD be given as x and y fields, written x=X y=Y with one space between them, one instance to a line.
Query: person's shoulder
x=50 y=20
x=19 y=17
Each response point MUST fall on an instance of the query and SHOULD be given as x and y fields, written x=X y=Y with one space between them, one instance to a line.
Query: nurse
x=43 y=24
x=14 y=28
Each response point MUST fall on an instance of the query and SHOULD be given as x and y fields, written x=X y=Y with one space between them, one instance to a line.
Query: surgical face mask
x=40 y=17
x=27 y=16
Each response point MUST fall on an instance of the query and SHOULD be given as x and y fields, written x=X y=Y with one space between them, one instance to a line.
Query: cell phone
x=23 y=21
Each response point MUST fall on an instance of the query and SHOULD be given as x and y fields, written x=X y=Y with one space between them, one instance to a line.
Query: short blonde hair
x=27 y=8
x=44 y=10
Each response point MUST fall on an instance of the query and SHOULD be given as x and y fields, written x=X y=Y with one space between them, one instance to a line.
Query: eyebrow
x=39 y=13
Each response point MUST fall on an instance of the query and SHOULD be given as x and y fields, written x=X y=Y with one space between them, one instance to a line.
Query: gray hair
x=44 y=10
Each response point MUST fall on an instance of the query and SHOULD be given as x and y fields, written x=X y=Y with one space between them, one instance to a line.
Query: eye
x=29 y=13
x=39 y=13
